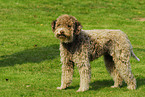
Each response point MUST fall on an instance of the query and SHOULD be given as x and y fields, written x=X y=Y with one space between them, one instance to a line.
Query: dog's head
x=65 y=28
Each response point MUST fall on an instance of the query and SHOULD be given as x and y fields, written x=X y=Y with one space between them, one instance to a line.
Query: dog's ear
x=78 y=27
x=53 y=25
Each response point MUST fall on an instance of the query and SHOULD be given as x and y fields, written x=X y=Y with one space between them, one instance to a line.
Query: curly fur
x=79 y=47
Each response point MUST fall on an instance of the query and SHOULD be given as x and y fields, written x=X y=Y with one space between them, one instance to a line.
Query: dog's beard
x=64 y=38
x=64 y=35
x=61 y=36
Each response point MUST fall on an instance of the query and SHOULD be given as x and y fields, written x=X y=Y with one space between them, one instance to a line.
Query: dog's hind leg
x=125 y=72
x=123 y=66
x=110 y=66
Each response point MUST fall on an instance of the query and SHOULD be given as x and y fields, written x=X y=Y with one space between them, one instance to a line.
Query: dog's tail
x=134 y=56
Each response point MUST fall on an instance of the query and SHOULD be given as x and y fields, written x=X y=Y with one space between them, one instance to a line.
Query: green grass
x=29 y=52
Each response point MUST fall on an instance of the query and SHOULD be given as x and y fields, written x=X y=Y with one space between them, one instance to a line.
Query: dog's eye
x=69 y=26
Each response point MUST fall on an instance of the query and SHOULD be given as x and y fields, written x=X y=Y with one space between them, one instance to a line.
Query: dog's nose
x=61 y=32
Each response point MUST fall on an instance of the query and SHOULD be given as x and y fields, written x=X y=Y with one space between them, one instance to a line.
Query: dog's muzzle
x=62 y=33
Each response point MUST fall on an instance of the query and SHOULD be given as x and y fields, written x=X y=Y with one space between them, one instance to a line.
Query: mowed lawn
x=29 y=52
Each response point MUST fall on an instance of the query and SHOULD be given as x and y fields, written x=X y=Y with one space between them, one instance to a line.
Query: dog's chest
x=72 y=47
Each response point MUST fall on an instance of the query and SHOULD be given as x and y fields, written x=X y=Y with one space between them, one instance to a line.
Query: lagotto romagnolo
x=79 y=47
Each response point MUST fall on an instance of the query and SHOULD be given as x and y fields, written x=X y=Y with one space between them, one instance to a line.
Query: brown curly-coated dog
x=79 y=47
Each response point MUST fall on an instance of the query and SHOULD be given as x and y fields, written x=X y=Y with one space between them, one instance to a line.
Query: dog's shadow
x=99 y=84
x=34 y=55
x=96 y=85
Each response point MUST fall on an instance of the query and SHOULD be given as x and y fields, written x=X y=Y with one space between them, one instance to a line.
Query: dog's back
x=111 y=38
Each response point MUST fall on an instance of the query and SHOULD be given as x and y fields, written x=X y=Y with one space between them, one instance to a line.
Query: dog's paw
x=114 y=86
x=60 y=88
x=131 y=87
x=82 y=89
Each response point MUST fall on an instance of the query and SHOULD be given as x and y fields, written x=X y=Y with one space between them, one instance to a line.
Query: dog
x=79 y=47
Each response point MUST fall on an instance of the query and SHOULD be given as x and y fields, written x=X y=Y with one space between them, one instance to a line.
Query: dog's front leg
x=67 y=74
x=85 y=76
